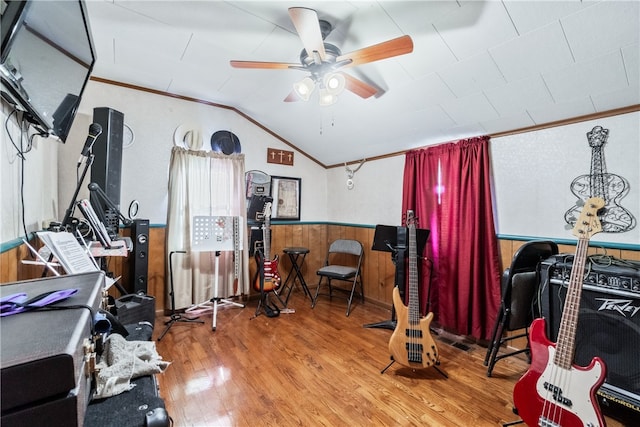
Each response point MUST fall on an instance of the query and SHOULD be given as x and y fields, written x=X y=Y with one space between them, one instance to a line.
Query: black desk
x=297 y=256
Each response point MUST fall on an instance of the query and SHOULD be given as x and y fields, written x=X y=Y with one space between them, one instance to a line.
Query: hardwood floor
x=318 y=367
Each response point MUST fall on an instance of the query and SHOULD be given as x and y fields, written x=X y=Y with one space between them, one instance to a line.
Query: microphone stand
x=175 y=317
x=98 y=192
x=69 y=212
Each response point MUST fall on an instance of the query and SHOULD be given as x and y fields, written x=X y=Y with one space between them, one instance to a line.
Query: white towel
x=123 y=361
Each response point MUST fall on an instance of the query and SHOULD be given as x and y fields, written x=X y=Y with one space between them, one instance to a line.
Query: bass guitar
x=269 y=266
x=554 y=392
x=411 y=343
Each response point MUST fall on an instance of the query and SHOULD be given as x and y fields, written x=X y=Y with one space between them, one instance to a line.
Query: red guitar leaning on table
x=554 y=392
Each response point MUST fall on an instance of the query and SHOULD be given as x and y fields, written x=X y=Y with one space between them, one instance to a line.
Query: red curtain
x=449 y=188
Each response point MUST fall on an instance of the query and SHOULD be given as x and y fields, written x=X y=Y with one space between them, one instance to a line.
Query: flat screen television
x=47 y=58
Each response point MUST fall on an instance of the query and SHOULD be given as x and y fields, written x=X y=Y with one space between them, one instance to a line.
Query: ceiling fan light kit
x=334 y=83
x=304 y=88
x=322 y=60
x=326 y=97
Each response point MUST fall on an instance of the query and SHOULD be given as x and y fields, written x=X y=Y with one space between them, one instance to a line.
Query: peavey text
x=622 y=306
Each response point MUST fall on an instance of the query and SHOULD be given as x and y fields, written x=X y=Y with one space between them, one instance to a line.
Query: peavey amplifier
x=43 y=353
x=608 y=324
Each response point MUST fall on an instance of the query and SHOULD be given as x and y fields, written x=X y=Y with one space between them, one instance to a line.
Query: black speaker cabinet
x=608 y=326
x=139 y=257
x=255 y=211
x=256 y=239
x=106 y=169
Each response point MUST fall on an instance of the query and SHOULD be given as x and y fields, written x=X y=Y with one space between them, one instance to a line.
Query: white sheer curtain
x=203 y=184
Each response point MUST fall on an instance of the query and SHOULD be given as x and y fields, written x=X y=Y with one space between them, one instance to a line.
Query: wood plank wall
x=378 y=268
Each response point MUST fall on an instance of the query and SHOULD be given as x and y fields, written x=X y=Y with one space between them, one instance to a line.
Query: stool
x=297 y=256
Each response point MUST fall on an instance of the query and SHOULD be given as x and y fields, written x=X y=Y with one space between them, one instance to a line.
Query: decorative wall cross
x=280 y=157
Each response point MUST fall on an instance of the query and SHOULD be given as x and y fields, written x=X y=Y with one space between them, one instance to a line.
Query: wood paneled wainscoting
x=378 y=268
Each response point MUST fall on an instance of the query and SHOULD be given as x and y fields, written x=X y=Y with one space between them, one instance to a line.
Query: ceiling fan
x=324 y=61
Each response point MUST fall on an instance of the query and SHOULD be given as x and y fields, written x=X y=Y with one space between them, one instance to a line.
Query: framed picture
x=286 y=198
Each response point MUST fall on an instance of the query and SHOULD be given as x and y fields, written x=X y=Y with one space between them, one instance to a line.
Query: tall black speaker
x=139 y=257
x=608 y=326
x=106 y=169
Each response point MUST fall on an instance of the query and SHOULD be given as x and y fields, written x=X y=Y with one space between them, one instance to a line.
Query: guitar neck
x=414 y=299
x=565 y=346
x=597 y=182
x=266 y=235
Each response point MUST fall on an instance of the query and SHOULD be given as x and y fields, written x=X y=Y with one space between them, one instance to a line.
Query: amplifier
x=45 y=354
x=608 y=325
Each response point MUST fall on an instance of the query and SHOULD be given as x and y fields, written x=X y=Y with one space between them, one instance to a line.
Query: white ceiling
x=478 y=67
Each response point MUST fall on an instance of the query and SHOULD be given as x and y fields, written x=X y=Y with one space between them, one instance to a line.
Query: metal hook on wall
x=351 y=172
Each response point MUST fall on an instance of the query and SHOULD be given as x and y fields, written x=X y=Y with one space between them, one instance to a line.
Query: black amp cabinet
x=45 y=355
x=608 y=325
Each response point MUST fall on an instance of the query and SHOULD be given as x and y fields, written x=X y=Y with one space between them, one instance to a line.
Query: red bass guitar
x=554 y=392
x=269 y=266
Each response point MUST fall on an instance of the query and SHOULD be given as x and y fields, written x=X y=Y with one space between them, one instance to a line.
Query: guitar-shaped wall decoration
x=555 y=392
x=269 y=266
x=411 y=343
x=607 y=186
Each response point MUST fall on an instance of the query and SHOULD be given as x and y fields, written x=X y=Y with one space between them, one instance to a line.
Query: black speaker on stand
x=139 y=257
x=106 y=169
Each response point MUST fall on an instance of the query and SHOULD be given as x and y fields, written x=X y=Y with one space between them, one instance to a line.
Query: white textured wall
x=145 y=165
x=532 y=171
x=40 y=181
x=376 y=197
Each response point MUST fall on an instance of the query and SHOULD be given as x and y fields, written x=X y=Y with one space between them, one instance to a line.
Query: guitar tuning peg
x=568 y=226
x=580 y=203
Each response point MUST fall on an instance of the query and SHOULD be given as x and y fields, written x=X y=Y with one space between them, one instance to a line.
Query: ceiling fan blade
x=258 y=64
x=306 y=22
x=358 y=87
x=395 y=47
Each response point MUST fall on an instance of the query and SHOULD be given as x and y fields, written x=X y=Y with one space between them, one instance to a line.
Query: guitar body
x=549 y=395
x=271 y=275
x=411 y=344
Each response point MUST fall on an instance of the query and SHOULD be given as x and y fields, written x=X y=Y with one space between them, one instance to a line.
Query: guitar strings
x=560 y=378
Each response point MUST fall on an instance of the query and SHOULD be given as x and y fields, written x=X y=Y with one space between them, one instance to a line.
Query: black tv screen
x=47 y=58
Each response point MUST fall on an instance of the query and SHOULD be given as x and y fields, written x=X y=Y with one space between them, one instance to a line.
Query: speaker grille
x=139 y=258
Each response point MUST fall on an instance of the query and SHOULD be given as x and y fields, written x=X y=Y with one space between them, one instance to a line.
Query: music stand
x=393 y=239
x=216 y=234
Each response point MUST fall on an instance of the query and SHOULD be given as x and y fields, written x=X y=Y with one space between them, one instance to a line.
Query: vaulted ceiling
x=477 y=67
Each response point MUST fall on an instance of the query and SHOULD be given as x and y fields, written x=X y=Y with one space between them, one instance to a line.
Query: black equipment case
x=43 y=378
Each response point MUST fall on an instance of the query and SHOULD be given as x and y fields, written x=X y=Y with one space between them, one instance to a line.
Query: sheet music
x=69 y=253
